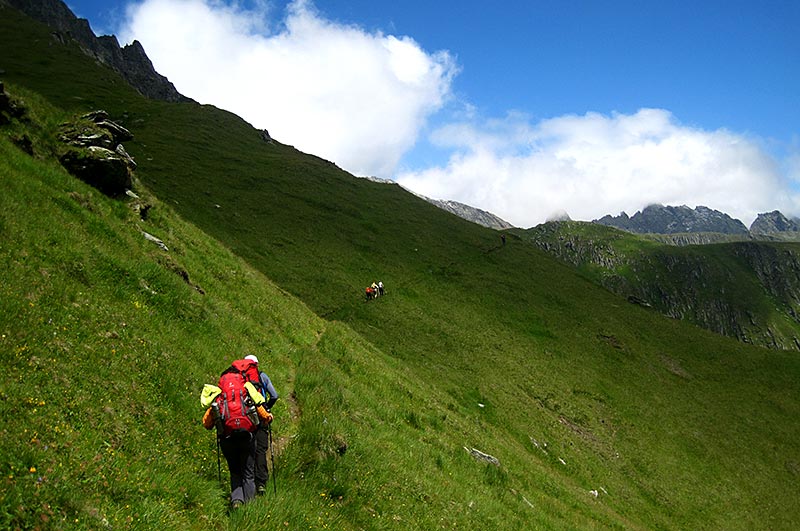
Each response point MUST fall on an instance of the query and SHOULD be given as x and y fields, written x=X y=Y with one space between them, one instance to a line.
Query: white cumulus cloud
x=594 y=164
x=354 y=97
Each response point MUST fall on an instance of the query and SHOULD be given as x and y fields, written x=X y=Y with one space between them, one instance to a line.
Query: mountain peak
x=131 y=62
x=660 y=219
x=772 y=222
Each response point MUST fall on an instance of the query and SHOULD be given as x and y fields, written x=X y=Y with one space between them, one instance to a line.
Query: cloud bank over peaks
x=594 y=164
x=334 y=90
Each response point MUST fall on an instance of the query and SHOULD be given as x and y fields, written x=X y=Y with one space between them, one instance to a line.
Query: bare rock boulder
x=95 y=155
x=100 y=167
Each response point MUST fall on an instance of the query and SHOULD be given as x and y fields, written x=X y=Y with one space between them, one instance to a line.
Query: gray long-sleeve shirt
x=268 y=389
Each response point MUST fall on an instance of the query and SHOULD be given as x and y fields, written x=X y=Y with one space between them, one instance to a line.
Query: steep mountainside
x=746 y=290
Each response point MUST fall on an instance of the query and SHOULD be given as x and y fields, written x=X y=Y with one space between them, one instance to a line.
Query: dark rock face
x=682 y=239
x=131 y=62
x=137 y=69
x=9 y=109
x=620 y=222
x=95 y=154
x=99 y=167
x=660 y=219
x=774 y=222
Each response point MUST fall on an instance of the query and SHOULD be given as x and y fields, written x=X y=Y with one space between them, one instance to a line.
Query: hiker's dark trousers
x=239 y=450
x=262 y=445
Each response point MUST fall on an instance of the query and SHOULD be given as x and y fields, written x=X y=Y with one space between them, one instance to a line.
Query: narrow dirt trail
x=295 y=412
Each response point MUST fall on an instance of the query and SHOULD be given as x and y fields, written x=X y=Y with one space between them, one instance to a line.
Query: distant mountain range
x=659 y=219
x=679 y=225
x=675 y=224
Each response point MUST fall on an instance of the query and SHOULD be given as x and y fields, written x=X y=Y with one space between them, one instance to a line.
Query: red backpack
x=237 y=409
x=248 y=369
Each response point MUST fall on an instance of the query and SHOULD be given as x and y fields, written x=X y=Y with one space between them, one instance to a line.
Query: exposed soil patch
x=675 y=368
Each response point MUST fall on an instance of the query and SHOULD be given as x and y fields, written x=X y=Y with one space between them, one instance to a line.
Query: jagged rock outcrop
x=559 y=239
x=130 y=61
x=475 y=215
x=777 y=269
x=681 y=239
x=94 y=153
x=661 y=219
x=705 y=291
x=772 y=223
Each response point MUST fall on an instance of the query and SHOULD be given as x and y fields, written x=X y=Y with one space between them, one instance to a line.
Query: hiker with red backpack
x=263 y=431
x=237 y=408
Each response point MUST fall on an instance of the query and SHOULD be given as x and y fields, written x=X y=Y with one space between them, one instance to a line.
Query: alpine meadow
x=492 y=387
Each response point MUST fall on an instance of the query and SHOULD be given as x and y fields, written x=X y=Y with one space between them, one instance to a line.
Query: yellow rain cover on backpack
x=254 y=393
x=209 y=393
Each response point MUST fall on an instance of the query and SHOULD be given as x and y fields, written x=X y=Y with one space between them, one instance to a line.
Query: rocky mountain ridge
x=130 y=61
x=659 y=219
x=470 y=213
x=682 y=225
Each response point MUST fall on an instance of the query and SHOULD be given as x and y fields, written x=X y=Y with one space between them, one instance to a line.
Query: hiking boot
x=261 y=489
x=236 y=504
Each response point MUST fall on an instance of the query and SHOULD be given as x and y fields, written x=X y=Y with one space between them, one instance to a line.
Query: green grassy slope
x=500 y=348
x=105 y=346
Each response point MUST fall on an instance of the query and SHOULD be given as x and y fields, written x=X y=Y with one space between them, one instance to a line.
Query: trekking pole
x=219 y=466
x=272 y=456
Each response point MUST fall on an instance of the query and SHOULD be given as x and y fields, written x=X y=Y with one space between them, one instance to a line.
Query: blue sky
x=525 y=109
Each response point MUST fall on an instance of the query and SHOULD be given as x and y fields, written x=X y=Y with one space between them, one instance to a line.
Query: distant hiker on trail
x=503 y=237
x=262 y=433
x=380 y=288
x=236 y=408
x=374 y=287
x=368 y=293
